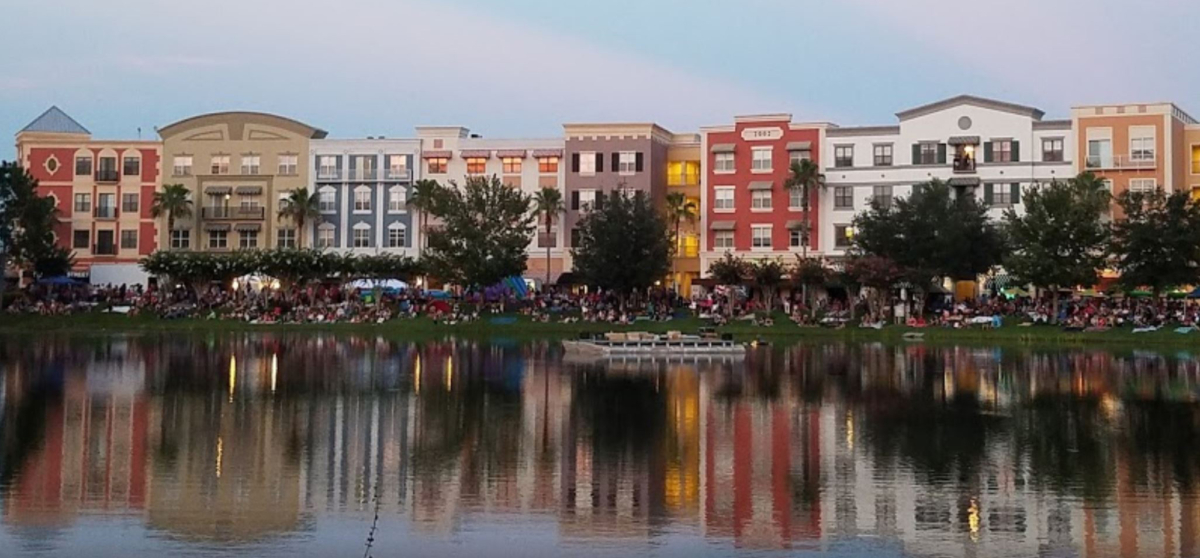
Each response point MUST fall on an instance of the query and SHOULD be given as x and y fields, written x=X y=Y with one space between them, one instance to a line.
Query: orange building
x=1135 y=146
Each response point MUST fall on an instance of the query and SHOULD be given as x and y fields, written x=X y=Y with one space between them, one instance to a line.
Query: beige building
x=237 y=165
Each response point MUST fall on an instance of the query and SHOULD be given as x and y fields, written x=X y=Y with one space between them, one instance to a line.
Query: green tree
x=807 y=273
x=767 y=274
x=679 y=210
x=27 y=223
x=301 y=208
x=624 y=245
x=485 y=232
x=1157 y=244
x=423 y=198
x=877 y=273
x=730 y=271
x=549 y=204
x=1060 y=240
x=174 y=201
x=805 y=178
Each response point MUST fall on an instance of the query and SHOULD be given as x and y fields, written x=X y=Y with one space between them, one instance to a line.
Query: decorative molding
x=768 y=133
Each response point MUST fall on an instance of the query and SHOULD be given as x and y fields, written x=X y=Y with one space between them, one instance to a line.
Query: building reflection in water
x=935 y=450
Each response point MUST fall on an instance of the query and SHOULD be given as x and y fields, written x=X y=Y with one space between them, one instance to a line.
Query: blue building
x=364 y=187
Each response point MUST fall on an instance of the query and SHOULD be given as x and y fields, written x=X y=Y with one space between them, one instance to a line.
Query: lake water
x=297 y=445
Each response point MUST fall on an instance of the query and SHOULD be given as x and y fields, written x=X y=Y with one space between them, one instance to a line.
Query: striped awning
x=964 y=181
x=799 y=145
x=964 y=140
x=249 y=190
x=218 y=190
x=762 y=185
x=547 y=153
x=722 y=225
x=519 y=153
x=441 y=154
x=722 y=148
x=216 y=226
x=248 y=227
x=475 y=153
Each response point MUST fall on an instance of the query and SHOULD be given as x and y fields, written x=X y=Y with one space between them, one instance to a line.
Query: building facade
x=748 y=210
x=989 y=149
x=237 y=166
x=684 y=176
x=364 y=187
x=1136 y=147
x=453 y=153
x=102 y=189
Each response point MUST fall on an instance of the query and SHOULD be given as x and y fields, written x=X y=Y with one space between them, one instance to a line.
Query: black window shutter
x=575 y=195
x=916 y=160
x=599 y=200
x=987 y=193
x=941 y=154
x=1016 y=192
x=1016 y=151
x=616 y=160
x=574 y=162
x=987 y=152
x=599 y=162
x=638 y=165
x=575 y=238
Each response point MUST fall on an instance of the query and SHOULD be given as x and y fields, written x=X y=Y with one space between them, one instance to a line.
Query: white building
x=990 y=149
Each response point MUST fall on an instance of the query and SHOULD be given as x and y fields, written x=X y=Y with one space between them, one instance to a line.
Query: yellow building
x=683 y=176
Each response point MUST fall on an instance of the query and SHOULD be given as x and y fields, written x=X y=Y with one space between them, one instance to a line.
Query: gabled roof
x=923 y=110
x=55 y=121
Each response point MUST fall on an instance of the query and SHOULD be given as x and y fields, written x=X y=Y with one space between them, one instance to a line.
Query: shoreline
x=783 y=330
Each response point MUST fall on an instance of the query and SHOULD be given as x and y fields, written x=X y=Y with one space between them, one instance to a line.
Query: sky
x=521 y=68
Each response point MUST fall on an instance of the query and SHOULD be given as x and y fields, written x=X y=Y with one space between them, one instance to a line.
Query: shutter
x=599 y=200
x=987 y=152
x=1016 y=151
x=941 y=154
x=616 y=161
x=916 y=160
x=575 y=165
x=987 y=193
x=599 y=162
x=1016 y=193
x=638 y=162
x=575 y=194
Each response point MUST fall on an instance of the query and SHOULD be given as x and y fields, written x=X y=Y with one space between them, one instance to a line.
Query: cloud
x=161 y=64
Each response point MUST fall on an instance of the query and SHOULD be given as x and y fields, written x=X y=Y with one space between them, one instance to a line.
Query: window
x=397 y=200
x=83 y=166
x=362 y=238
x=285 y=238
x=794 y=238
x=723 y=240
x=795 y=157
x=760 y=159
x=397 y=237
x=220 y=164
x=81 y=239
x=723 y=199
x=129 y=203
x=1052 y=150
x=248 y=202
x=129 y=240
x=287 y=165
x=760 y=236
x=83 y=203
x=326 y=201
x=760 y=200
x=795 y=200
x=437 y=165
x=511 y=165
x=843 y=156
x=547 y=165
x=1196 y=159
x=247 y=240
x=1002 y=151
x=927 y=154
x=882 y=195
x=250 y=164
x=883 y=155
x=842 y=236
x=723 y=162
x=325 y=237
x=327 y=167
x=476 y=165
x=1142 y=185
x=627 y=162
x=362 y=200
x=575 y=240
x=183 y=165
x=547 y=240
x=106 y=205
x=218 y=240
x=132 y=166
x=843 y=197
x=587 y=163
x=1141 y=143
x=1099 y=153
x=181 y=239
x=397 y=167
x=998 y=194
x=587 y=198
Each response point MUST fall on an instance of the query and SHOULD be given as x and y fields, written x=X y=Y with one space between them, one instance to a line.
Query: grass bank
x=783 y=330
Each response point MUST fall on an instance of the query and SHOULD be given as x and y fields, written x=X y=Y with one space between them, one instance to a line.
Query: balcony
x=108 y=176
x=106 y=249
x=1119 y=162
x=364 y=174
x=329 y=174
x=683 y=179
x=397 y=174
x=235 y=213
x=105 y=212
x=964 y=164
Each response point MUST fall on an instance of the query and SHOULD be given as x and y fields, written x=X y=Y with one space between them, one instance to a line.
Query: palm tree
x=302 y=208
x=807 y=178
x=679 y=209
x=174 y=201
x=548 y=201
x=422 y=199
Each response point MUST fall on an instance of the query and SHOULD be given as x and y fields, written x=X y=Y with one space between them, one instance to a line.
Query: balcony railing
x=397 y=174
x=964 y=164
x=108 y=176
x=104 y=249
x=105 y=212
x=327 y=173
x=249 y=213
x=1119 y=162
x=683 y=179
x=364 y=174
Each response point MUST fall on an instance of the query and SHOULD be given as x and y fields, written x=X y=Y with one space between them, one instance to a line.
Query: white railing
x=397 y=174
x=364 y=174
x=1120 y=162
x=329 y=173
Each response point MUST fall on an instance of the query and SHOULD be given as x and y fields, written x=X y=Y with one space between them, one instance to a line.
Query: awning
x=964 y=181
x=761 y=185
x=218 y=190
x=722 y=225
x=216 y=226
x=248 y=227
x=794 y=224
x=722 y=148
x=547 y=153
x=519 y=153
x=964 y=140
x=799 y=146
x=436 y=154
x=249 y=190
x=475 y=153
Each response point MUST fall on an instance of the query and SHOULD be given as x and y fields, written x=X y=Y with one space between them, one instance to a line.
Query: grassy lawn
x=783 y=330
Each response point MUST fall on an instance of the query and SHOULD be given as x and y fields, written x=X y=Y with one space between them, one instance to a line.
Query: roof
x=55 y=121
x=300 y=127
x=923 y=110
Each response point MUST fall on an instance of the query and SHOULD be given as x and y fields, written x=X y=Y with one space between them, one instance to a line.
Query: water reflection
x=283 y=440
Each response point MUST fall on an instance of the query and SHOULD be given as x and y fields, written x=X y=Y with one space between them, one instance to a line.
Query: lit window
x=476 y=165
x=547 y=165
x=723 y=162
x=723 y=199
x=437 y=165
x=1196 y=159
x=183 y=165
x=841 y=236
x=218 y=239
x=250 y=164
x=362 y=200
x=760 y=236
x=760 y=199
x=723 y=240
x=287 y=164
x=362 y=238
x=220 y=164
x=511 y=165
x=760 y=159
